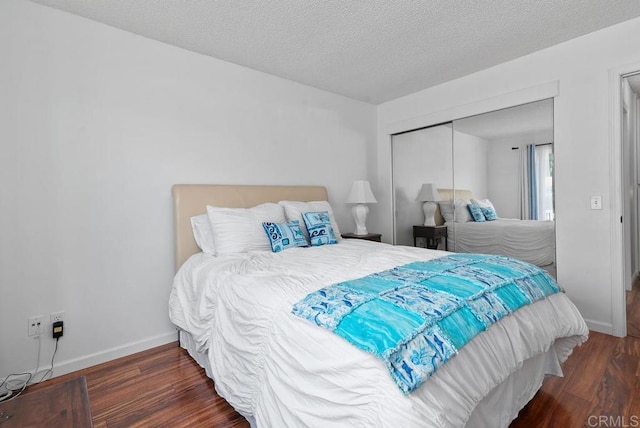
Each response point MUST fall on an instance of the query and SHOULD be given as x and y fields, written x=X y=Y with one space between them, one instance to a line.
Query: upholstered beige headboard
x=192 y=199
x=448 y=195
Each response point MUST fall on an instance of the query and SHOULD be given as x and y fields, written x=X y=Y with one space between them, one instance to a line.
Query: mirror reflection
x=423 y=156
x=494 y=181
x=506 y=183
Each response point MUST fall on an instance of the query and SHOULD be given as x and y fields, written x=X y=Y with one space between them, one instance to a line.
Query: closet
x=504 y=156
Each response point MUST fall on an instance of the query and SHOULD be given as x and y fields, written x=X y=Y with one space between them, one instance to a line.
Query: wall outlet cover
x=35 y=325
x=56 y=316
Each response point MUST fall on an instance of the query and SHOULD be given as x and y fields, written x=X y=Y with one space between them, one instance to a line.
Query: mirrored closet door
x=423 y=156
x=494 y=175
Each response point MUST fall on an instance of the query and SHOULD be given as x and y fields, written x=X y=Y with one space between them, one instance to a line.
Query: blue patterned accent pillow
x=319 y=228
x=285 y=235
x=476 y=212
x=489 y=213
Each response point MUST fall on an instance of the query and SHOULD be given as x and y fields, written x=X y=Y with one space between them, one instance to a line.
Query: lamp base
x=360 y=212
x=429 y=209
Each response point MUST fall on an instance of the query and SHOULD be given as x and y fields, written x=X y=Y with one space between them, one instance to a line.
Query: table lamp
x=429 y=195
x=360 y=195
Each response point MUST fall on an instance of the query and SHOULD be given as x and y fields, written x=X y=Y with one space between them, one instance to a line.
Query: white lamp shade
x=361 y=193
x=428 y=192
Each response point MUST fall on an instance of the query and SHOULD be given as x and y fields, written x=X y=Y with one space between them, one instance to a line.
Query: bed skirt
x=497 y=409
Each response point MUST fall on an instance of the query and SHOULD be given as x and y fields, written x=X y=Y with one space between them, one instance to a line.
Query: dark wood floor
x=600 y=379
x=165 y=387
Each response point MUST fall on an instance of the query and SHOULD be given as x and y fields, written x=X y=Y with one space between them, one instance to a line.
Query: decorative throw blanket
x=417 y=316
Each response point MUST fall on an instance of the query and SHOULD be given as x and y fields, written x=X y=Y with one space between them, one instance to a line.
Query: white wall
x=503 y=170
x=581 y=66
x=96 y=124
x=470 y=163
x=504 y=177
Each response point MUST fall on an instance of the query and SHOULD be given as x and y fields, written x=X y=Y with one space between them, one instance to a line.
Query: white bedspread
x=529 y=240
x=284 y=371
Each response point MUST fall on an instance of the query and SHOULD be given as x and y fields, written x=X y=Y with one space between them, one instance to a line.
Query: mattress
x=528 y=240
x=280 y=370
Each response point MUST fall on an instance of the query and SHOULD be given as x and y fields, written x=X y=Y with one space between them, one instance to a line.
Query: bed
x=234 y=313
x=530 y=240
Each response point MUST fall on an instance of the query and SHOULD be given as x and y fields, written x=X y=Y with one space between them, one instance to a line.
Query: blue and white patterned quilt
x=417 y=316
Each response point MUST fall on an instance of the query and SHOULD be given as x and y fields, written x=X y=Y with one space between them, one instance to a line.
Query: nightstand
x=433 y=235
x=377 y=237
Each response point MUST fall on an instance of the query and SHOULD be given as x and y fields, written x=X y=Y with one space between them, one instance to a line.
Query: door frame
x=616 y=203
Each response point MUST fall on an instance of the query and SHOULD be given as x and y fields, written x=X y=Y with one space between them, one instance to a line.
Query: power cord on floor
x=11 y=386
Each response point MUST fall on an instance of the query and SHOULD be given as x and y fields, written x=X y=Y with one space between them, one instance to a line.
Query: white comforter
x=284 y=371
x=529 y=240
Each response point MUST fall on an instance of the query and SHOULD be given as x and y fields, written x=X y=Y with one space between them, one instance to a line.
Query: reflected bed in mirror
x=529 y=240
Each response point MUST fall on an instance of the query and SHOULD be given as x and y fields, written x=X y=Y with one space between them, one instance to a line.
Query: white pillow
x=446 y=209
x=203 y=233
x=294 y=209
x=483 y=203
x=462 y=214
x=238 y=230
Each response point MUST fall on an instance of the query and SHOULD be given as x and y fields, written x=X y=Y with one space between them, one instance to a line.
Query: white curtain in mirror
x=536 y=182
x=544 y=181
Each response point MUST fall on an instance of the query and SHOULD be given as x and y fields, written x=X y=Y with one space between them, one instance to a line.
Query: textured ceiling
x=527 y=119
x=371 y=50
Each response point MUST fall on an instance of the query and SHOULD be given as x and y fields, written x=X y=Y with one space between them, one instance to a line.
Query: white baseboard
x=86 y=361
x=600 y=327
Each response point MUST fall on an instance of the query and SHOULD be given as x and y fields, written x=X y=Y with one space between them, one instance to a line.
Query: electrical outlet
x=35 y=325
x=56 y=316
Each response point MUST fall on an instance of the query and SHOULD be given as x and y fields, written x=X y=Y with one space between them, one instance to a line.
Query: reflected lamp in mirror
x=429 y=195
x=360 y=195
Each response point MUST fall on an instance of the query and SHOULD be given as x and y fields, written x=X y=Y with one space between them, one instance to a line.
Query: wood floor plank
x=597 y=351
x=541 y=404
x=132 y=408
x=630 y=345
x=571 y=411
x=619 y=381
x=563 y=410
